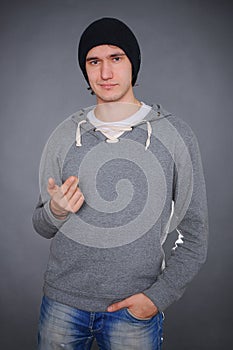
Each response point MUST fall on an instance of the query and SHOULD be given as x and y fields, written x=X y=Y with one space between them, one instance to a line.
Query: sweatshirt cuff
x=161 y=295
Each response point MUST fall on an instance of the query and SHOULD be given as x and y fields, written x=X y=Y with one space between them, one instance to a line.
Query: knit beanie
x=109 y=31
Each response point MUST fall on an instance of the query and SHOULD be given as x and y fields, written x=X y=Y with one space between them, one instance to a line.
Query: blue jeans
x=64 y=327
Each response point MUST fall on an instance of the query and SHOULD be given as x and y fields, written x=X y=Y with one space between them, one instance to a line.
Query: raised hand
x=65 y=198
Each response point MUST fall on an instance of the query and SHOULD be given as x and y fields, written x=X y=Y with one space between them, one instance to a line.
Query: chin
x=105 y=99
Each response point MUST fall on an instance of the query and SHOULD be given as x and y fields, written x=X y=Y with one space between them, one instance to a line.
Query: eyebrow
x=93 y=58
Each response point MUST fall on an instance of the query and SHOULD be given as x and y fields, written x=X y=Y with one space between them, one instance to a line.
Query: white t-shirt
x=106 y=127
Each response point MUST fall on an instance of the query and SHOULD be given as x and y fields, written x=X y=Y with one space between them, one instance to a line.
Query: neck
x=116 y=111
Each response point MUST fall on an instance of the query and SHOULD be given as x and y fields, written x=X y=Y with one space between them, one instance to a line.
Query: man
x=115 y=179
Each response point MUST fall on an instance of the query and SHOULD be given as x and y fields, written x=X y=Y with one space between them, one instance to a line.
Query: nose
x=106 y=71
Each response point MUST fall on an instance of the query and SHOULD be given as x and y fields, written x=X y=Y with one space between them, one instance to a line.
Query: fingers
x=120 y=305
x=73 y=196
x=76 y=197
x=70 y=184
x=76 y=201
x=71 y=188
x=67 y=197
x=139 y=305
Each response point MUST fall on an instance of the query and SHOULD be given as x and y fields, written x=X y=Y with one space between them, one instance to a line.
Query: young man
x=115 y=180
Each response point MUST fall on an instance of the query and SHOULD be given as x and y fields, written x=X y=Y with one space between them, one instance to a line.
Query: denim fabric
x=64 y=327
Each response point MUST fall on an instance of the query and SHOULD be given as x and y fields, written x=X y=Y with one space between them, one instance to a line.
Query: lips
x=107 y=86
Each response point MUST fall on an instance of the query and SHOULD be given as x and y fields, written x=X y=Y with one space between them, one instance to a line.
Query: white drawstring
x=149 y=132
x=78 y=133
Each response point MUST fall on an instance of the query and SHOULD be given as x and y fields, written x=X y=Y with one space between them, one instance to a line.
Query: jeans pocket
x=138 y=318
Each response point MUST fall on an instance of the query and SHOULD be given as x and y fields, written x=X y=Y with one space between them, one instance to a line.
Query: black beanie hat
x=109 y=31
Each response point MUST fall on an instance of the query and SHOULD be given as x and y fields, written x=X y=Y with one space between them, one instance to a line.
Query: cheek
x=126 y=76
x=126 y=72
x=92 y=74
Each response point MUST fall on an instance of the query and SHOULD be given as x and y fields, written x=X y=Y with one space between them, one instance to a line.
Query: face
x=110 y=74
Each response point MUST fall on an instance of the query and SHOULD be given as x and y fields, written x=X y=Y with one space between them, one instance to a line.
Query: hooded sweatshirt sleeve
x=190 y=250
x=43 y=220
x=53 y=155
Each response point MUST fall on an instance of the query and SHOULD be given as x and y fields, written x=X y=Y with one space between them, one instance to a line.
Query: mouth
x=108 y=86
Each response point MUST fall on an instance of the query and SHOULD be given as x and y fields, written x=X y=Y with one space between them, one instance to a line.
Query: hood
x=83 y=124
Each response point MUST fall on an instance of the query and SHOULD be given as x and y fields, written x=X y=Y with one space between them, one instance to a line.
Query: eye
x=94 y=62
x=117 y=59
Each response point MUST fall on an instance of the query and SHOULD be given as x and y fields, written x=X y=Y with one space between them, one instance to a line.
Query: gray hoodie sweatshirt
x=137 y=191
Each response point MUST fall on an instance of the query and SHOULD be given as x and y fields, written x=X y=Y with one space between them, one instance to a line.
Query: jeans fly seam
x=92 y=318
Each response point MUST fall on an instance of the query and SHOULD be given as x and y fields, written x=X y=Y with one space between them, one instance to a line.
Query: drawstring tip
x=78 y=133
x=149 y=132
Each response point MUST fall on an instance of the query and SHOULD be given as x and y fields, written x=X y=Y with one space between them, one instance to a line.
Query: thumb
x=119 y=305
x=52 y=187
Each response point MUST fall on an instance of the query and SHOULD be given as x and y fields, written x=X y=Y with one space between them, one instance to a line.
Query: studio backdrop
x=187 y=68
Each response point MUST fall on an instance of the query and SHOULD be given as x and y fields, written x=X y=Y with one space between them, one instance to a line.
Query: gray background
x=187 y=67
